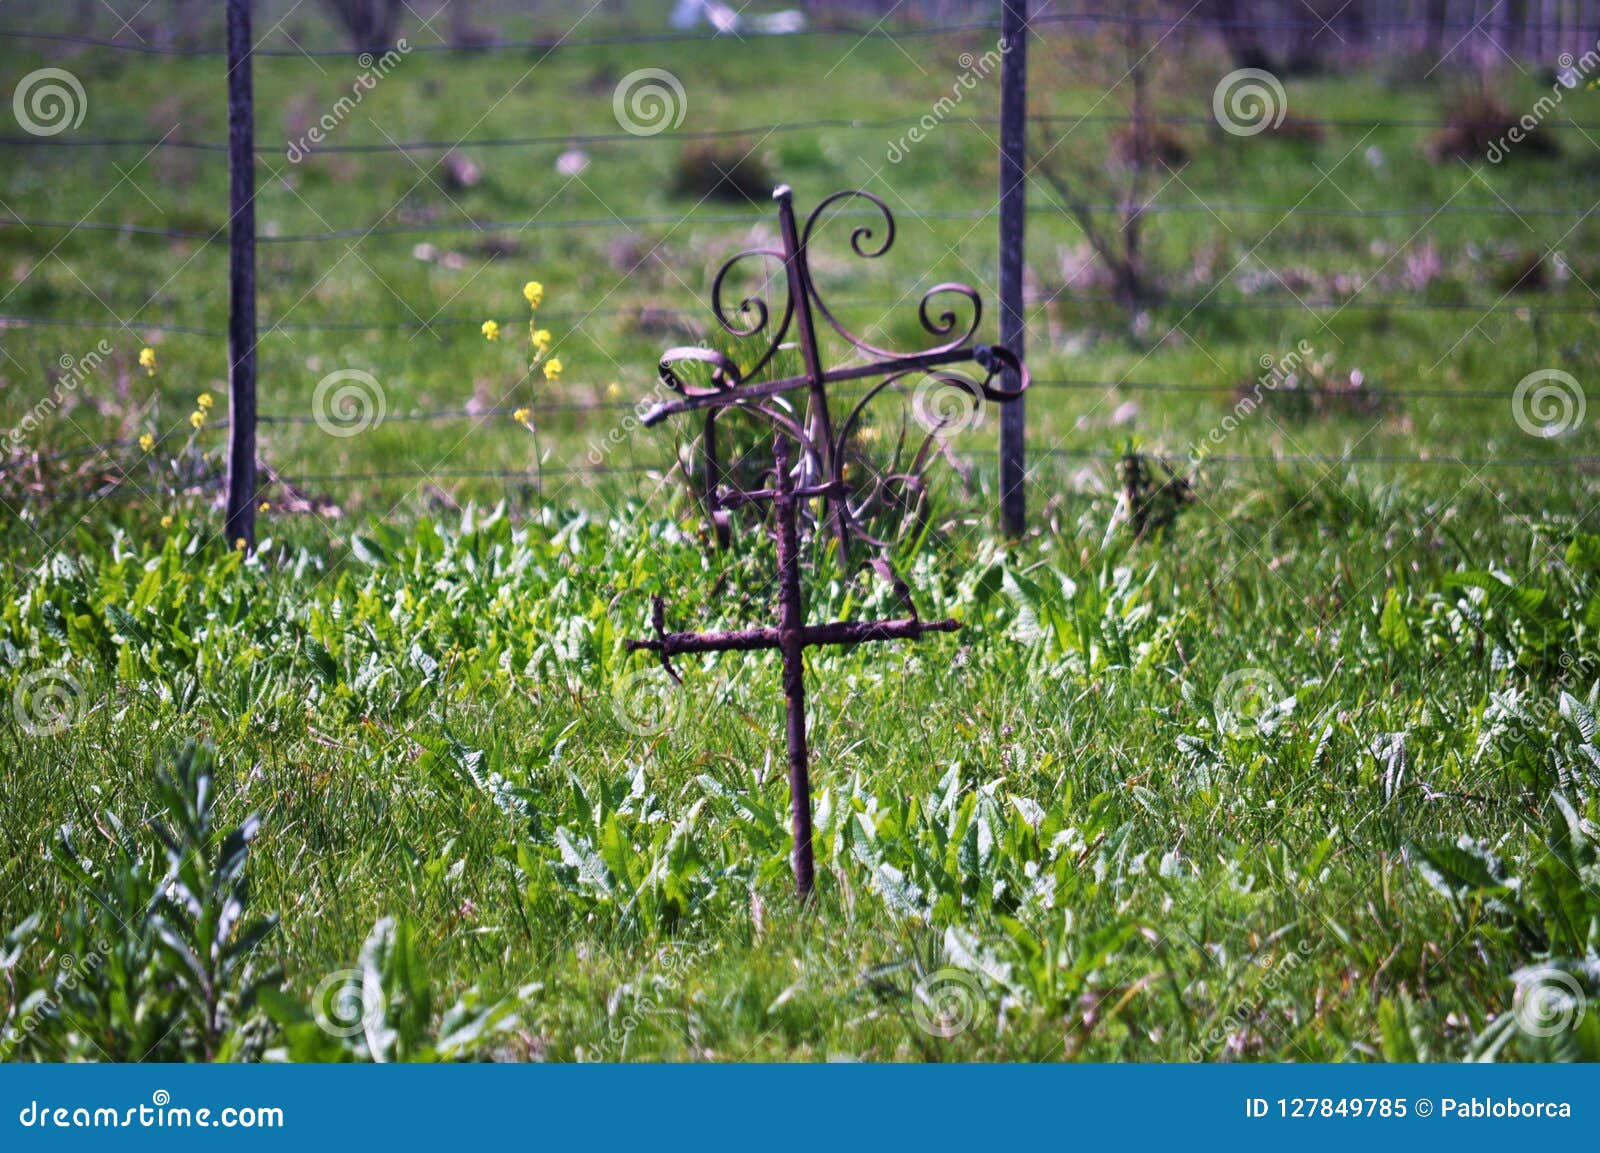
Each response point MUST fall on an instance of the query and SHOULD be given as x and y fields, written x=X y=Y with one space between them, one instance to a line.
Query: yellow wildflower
x=552 y=368
x=204 y=402
x=265 y=506
x=166 y=522
x=197 y=418
x=533 y=291
x=613 y=390
x=147 y=360
x=491 y=330
x=521 y=415
x=241 y=544
x=541 y=339
x=147 y=442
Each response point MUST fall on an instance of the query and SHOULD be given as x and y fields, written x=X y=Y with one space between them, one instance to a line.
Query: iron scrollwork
x=704 y=380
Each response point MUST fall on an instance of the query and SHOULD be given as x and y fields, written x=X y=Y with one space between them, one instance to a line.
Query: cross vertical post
x=819 y=423
x=791 y=620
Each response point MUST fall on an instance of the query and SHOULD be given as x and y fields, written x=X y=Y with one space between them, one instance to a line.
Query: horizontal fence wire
x=534 y=474
x=1486 y=25
x=592 y=139
x=1518 y=306
x=749 y=220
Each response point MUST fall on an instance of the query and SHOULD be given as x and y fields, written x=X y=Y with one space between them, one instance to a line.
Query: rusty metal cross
x=821 y=470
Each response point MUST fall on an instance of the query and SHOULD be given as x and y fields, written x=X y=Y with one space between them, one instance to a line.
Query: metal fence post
x=1013 y=206
x=241 y=501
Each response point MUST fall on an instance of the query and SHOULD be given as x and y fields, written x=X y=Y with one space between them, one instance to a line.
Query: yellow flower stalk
x=533 y=292
x=147 y=442
x=204 y=402
x=197 y=418
x=147 y=360
x=521 y=415
x=552 y=368
x=491 y=330
x=540 y=337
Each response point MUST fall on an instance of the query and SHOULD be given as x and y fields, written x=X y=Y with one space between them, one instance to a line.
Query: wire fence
x=379 y=229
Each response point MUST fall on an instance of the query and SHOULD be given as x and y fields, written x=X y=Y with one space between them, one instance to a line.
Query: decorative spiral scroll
x=947 y=325
x=752 y=304
x=724 y=373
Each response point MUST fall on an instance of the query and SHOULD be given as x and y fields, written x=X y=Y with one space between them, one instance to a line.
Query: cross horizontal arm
x=722 y=397
x=836 y=633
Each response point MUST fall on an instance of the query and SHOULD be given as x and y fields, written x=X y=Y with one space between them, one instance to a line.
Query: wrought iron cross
x=821 y=470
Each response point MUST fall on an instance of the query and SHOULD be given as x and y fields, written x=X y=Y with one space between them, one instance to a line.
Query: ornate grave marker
x=821 y=468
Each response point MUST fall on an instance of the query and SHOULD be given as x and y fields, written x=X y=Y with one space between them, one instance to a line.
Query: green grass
x=1049 y=816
